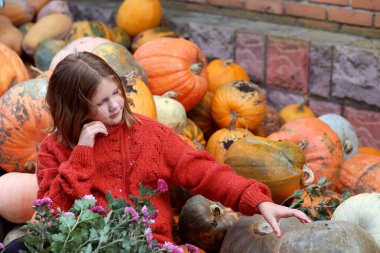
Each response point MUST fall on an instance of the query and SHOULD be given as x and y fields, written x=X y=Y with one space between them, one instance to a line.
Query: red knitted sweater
x=146 y=152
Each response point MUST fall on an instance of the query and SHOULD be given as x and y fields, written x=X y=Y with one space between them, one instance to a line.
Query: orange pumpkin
x=18 y=191
x=140 y=99
x=175 y=64
x=18 y=11
x=272 y=123
x=360 y=174
x=191 y=142
x=324 y=155
x=135 y=16
x=296 y=111
x=369 y=151
x=241 y=99
x=201 y=115
x=221 y=140
x=24 y=119
x=151 y=34
x=193 y=132
x=224 y=71
x=12 y=69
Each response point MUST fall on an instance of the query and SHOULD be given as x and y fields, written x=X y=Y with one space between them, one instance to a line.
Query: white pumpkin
x=345 y=131
x=364 y=210
x=170 y=112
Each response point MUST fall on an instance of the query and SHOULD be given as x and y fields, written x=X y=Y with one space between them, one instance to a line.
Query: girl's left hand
x=273 y=212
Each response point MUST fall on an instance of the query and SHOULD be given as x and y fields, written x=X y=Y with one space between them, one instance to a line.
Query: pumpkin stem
x=300 y=107
x=263 y=228
x=347 y=146
x=216 y=212
x=303 y=144
x=308 y=175
x=196 y=68
x=170 y=94
x=30 y=167
x=40 y=72
x=232 y=125
x=228 y=62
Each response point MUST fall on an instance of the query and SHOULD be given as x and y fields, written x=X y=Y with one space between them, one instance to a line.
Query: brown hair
x=71 y=86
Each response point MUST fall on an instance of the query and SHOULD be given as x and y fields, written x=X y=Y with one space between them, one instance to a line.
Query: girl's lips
x=115 y=115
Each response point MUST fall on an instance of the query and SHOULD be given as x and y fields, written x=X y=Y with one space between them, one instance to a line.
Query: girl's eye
x=99 y=104
x=116 y=92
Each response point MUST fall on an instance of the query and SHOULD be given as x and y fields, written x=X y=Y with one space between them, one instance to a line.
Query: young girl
x=99 y=145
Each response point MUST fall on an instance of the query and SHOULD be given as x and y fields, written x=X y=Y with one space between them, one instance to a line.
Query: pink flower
x=172 y=248
x=89 y=197
x=162 y=186
x=191 y=248
x=132 y=212
x=1 y=246
x=149 y=237
x=43 y=202
x=98 y=209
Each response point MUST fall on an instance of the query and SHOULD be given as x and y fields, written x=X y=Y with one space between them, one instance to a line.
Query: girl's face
x=107 y=104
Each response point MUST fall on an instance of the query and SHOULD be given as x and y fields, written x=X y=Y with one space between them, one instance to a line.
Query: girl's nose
x=113 y=105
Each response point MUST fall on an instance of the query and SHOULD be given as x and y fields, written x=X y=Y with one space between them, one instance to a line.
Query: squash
x=224 y=71
x=175 y=64
x=369 y=151
x=170 y=112
x=24 y=118
x=17 y=207
x=201 y=115
x=222 y=139
x=38 y=4
x=323 y=151
x=326 y=236
x=55 y=6
x=363 y=210
x=278 y=164
x=296 y=111
x=345 y=131
x=241 y=99
x=12 y=69
x=53 y=26
x=46 y=51
x=88 y=28
x=360 y=174
x=253 y=234
x=135 y=16
x=25 y=27
x=119 y=36
x=204 y=223
x=194 y=133
x=272 y=123
x=140 y=99
x=11 y=36
x=151 y=34
x=18 y=11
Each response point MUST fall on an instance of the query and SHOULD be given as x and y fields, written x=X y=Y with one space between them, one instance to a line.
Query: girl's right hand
x=89 y=131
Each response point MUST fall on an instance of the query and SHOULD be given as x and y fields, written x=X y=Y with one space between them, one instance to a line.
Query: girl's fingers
x=301 y=216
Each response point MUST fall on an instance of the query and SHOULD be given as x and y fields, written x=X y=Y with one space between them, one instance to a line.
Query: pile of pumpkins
x=212 y=105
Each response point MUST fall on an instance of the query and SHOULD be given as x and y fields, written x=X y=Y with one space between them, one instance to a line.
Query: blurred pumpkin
x=204 y=223
x=55 y=6
x=46 y=51
x=18 y=11
x=369 y=151
x=296 y=111
x=12 y=69
x=25 y=119
x=360 y=174
x=363 y=210
x=224 y=71
x=85 y=28
x=175 y=64
x=38 y=4
x=272 y=123
x=119 y=36
x=10 y=35
x=193 y=132
x=321 y=145
x=151 y=34
x=241 y=99
x=135 y=16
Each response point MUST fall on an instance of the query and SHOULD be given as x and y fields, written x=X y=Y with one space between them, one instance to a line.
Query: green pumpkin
x=45 y=52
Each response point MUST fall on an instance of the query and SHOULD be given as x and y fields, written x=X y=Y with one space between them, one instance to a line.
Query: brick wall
x=352 y=16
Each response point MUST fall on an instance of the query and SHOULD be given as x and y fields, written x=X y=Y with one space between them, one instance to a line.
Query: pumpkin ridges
x=7 y=73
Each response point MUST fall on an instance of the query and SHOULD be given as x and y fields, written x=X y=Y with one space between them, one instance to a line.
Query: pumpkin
x=204 y=223
x=170 y=112
x=201 y=115
x=272 y=123
x=38 y=4
x=83 y=44
x=119 y=58
x=119 y=36
x=241 y=99
x=17 y=207
x=369 y=151
x=179 y=195
x=224 y=71
x=278 y=164
x=95 y=28
x=25 y=27
x=175 y=64
x=296 y=111
x=53 y=26
x=363 y=210
x=55 y=6
x=11 y=36
x=140 y=99
x=222 y=139
x=13 y=234
x=191 y=142
x=12 y=69
x=321 y=145
x=345 y=131
x=135 y=16
x=360 y=174
x=151 y=34
x=18 y=11
x=193 y=132
x=326 y=236
x=45 y=52
x=24 y=119
x=253 y=234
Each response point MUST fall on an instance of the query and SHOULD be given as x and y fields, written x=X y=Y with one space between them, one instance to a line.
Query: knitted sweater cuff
x=83 y=157
x=252 y=197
